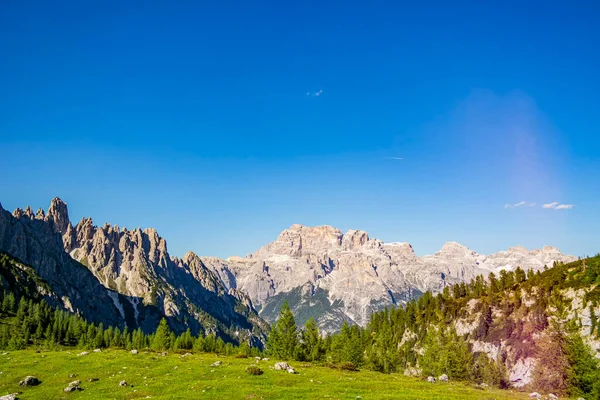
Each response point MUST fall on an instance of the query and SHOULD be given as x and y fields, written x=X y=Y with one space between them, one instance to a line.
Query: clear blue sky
x=223 y=123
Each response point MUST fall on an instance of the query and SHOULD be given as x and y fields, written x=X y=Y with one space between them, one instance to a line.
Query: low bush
x=254 y=370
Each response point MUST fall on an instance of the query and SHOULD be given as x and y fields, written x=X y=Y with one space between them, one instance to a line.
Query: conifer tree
x=311 y=343
x=283 y=338
x=161 y=341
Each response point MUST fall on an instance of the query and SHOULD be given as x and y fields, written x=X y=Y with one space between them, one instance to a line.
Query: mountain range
x=127 y=277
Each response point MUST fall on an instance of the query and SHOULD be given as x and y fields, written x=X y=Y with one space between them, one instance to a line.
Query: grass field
x=173 y=377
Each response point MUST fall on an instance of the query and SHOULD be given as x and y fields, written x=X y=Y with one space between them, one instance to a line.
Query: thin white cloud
x=555 y=205
x=519 y=204
x=315 y=94
x=531 y=204
x=565 y=207
x=394 y=158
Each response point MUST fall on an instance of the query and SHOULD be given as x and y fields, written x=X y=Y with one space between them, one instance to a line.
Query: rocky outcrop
x=34 y=241
x=126 y=277
x=322 y=272
x=331 y=276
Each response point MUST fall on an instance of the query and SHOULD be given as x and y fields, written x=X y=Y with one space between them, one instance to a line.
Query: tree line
x=420 y=337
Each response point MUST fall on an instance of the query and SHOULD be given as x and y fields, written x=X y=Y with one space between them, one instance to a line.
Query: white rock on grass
x=83 y=353
x=29 y=381
x=216 y=363
x=282 y=366
x=73 y=387
x=134 y=351
x=535 y=395
x=12 y=396
x=97 y=350
x=552 y=396
x=123 y=383
x=443 y=378
x=430 y=379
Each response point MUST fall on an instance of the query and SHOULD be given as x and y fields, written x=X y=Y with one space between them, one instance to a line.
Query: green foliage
x=282 y=342
x=445 y=352
x=311 y=346
x=254 y=370
x=162 y=337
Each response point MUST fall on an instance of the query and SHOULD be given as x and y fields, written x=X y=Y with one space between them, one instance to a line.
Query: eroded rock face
x=130 y=277
x=322 y=272
x=332 y=276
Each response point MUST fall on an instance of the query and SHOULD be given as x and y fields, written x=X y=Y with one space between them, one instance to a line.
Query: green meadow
x=154 y=376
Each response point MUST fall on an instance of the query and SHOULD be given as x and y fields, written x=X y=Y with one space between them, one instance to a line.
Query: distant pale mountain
x=116 y=275
x=122 y=277
x=331 y=276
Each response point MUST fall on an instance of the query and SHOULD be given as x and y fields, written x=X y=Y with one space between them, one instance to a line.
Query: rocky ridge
x=322 y=272
x=128 y=274
x=334 y=276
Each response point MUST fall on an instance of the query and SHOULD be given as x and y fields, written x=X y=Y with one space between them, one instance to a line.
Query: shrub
x=254 y=370
x=348 y=366
x=331 y=365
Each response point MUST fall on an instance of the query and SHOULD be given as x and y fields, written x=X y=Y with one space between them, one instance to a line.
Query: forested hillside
x=538 y=330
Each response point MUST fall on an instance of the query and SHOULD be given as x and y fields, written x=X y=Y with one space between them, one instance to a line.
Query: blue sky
x=222 y=124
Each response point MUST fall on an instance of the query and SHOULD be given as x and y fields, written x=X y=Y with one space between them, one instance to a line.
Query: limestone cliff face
x=131 y=273
x=34 y=240
x=332 y=276
x=322 y=272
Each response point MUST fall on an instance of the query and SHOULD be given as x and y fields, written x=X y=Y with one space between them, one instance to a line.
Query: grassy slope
x=172 y=377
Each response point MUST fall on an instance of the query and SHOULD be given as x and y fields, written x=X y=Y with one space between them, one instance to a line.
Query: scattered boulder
x=73 y=387
x=291 y=370
x=185 y=355
x=430 y=379
x=30 y=381
x=266 y=359
x=97 y=350
x=282 y=366
x=216 y=363
x=134 y=351
x=93 y=380
x=443 y=378
x=535 y=395
x=552 y=396
x=484 y=385
x=72 y=375
x=83 y=353
x=257 y=359
x=412 y=371
x=123 y=383
x=12 y=396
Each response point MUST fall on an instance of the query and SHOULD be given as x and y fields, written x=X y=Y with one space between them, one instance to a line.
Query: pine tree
x=311 y=343
x=161 y=341
x=283 y=338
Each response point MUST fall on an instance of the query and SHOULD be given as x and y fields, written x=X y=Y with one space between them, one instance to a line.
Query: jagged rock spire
x=59 y=214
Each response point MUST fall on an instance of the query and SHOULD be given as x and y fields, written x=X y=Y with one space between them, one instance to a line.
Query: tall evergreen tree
x=162 y=337
x=283 y=338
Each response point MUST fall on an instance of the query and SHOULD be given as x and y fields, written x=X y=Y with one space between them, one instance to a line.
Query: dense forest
x=525 y=314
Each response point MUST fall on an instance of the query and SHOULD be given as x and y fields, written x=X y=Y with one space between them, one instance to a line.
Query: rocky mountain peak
x=455 y=249
x=59 y=215
x=354 y=239
x=518 y=250
x=299 y=239
x=550 y=250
